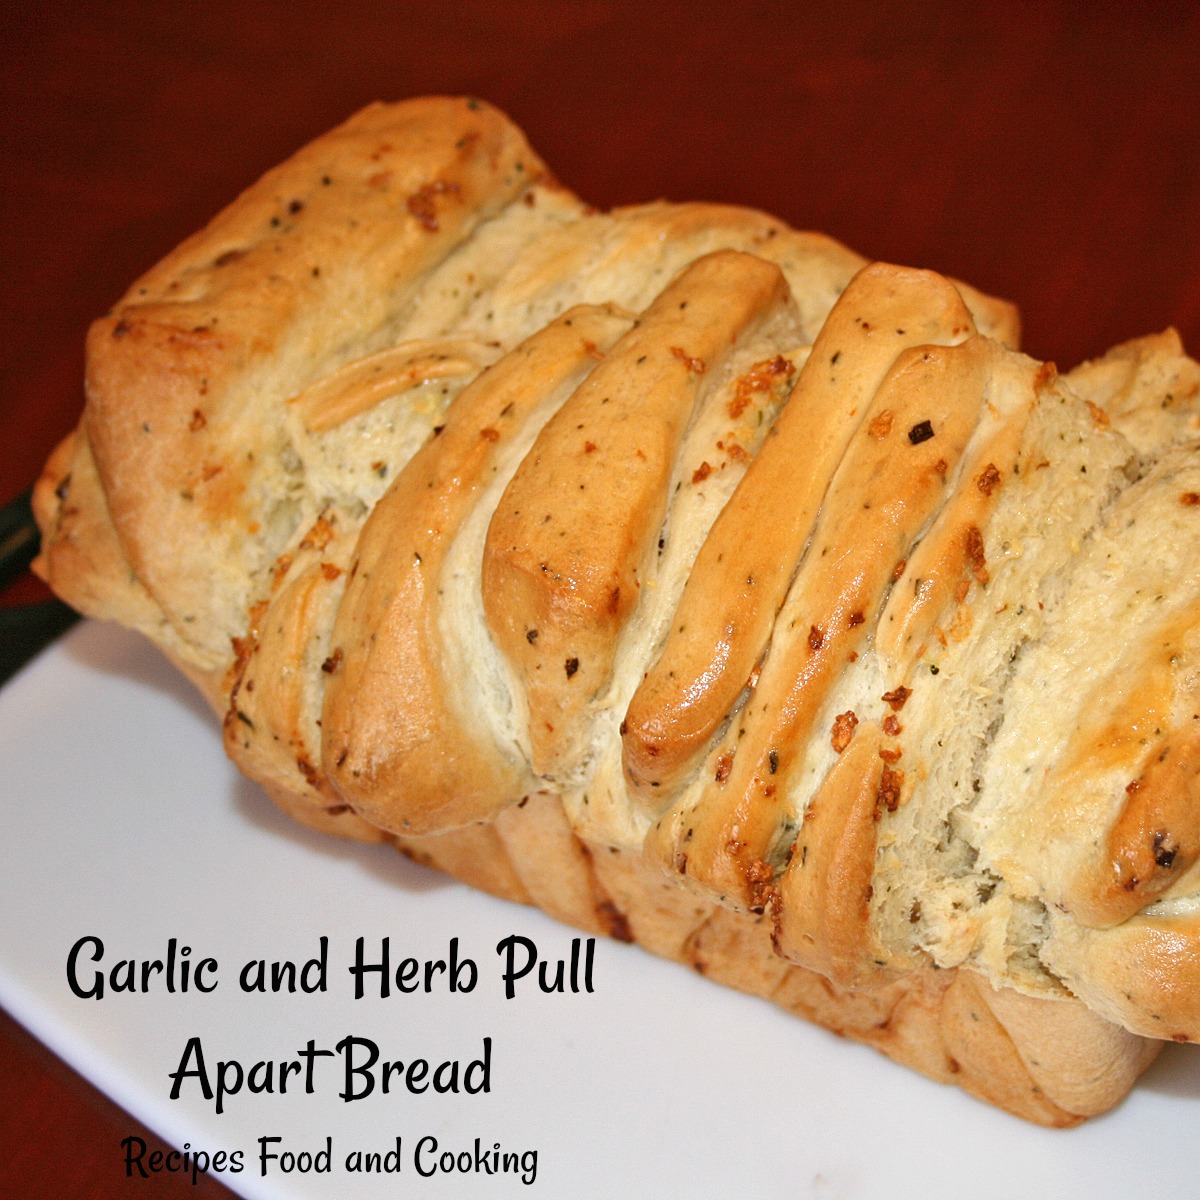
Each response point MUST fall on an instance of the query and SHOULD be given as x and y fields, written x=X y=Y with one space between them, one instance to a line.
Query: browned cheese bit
x=401 y=742
x=744 y=568
x=567 y=542
x=886 y=489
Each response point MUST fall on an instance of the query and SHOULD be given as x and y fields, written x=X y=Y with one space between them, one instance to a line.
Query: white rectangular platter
x=124 y=822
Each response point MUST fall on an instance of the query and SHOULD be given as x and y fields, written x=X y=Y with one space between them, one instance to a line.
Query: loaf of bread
x=684 y=575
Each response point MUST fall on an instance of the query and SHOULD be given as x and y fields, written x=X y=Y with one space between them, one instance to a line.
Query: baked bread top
x=784 y=568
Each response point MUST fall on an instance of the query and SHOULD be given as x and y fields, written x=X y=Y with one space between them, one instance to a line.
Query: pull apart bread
x=685 y=576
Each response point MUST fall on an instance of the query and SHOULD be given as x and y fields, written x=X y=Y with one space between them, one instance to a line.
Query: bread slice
x=685 y=575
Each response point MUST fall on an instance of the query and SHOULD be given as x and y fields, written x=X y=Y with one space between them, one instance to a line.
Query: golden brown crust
x=565 y=551
x=890 y=482
x=822 y=906
x=329 y=247
x=951 y=553
x=1081 y=1062
x=742 y=572
x=270 y=724
x=398 y=744
x=80 y=554
x=985 y=1059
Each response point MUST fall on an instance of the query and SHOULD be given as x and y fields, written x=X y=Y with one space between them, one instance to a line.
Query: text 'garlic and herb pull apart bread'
x=685 y=576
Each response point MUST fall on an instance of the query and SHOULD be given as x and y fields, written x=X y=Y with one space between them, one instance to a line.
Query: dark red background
x=1047 y=152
